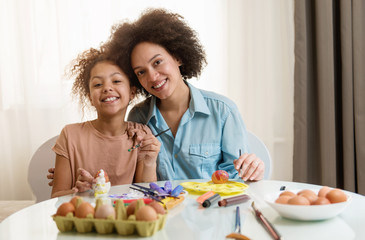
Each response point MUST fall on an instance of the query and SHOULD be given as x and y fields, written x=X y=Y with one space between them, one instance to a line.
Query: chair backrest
x=259 y=148
x=42 y=160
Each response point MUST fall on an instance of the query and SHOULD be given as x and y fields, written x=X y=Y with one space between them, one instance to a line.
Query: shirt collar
x=197 y=101
x=197 y=104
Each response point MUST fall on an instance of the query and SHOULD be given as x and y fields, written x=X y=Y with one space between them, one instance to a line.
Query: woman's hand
x=50 y=176
x=147 y=156
x=149 y=149
x=83 y=183
x=249 y=167
x=149 y=146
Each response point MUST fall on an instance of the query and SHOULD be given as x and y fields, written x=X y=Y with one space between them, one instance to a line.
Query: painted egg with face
x=220 y=176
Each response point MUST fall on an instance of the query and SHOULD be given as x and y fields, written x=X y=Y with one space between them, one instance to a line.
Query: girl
x=103 y=143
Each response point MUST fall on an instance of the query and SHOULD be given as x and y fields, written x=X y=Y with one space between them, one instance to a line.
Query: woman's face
x=157 y=71
x=110 y=90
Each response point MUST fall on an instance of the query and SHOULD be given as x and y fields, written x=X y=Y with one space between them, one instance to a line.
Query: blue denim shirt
x=209 y=136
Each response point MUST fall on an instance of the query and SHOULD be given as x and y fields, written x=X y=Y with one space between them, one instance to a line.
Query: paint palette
x=227 y=188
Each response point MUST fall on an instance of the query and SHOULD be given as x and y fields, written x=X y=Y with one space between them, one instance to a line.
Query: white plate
x=306 y=213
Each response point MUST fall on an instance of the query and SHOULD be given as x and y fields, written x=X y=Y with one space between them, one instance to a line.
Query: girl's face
x=157 y=71
x=110 y=90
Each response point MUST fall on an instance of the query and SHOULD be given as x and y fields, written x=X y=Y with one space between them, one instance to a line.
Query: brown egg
x=158 y=207
x=307 y=191
x=336 y=196
x=131 y=207
x=321 y=201
x=311 y=197
x=84 y=209
x=104 y=211
x=298 y=200
x=146 y=213
x=74 y=200
x=288 y=193
x=323 y=191
x=283 y=199
x=65 y=208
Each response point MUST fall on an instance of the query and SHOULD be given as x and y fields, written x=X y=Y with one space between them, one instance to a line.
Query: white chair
x=259 y=148
x=42 y=160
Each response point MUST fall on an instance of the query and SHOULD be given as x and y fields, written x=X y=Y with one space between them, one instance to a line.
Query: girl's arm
x=62 y=182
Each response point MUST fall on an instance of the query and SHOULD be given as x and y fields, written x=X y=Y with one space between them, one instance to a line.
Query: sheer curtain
x=250 y=60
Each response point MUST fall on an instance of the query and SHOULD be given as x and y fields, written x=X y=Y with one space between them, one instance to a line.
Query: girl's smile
x=110 y=99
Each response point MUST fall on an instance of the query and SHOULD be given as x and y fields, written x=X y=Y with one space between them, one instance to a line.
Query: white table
x=189 y=221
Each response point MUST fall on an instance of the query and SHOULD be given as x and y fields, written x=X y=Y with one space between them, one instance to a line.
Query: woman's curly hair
x=161 y=27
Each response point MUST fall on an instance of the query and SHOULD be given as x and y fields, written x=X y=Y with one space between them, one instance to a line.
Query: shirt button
x=175 y=156
x=206 y=153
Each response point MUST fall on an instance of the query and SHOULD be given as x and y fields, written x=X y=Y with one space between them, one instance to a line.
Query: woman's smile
x=162 y=83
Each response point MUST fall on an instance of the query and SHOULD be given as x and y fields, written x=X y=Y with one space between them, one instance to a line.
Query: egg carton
x=123 y=225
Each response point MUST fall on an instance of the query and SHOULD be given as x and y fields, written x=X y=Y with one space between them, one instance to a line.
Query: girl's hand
x=84 y=180
x=249 y=167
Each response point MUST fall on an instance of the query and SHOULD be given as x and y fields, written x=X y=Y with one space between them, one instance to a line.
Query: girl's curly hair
x=161 y=27
x=80 y=68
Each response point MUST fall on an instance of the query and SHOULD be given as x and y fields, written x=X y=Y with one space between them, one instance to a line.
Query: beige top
x=87 y=148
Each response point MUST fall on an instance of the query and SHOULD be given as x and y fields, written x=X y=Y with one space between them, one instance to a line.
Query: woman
x=160 y=52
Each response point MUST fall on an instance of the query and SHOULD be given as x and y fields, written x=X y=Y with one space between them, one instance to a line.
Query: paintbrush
x=147 y=194
x=136 y=146
x=237 y=232
x=266 y=224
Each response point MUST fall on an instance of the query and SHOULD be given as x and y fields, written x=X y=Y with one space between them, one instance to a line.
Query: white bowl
x=306 y=213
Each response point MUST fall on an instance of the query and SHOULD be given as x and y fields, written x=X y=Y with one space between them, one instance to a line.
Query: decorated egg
x=102 y=173
x=220 y=176
x=102 y=185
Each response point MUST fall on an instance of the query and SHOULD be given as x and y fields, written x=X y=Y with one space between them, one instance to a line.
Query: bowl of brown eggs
x=309 y=204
